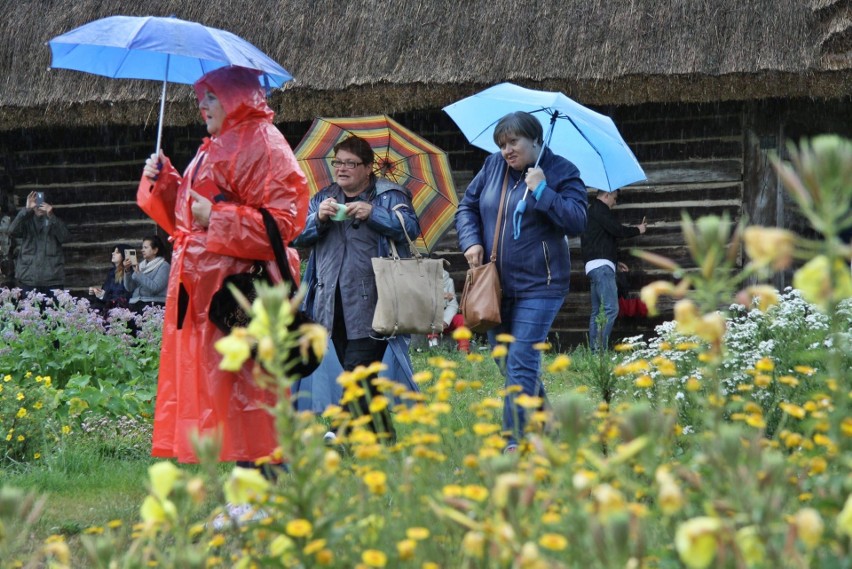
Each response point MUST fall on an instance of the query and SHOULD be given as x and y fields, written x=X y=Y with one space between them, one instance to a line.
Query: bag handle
x=278 y=249
x=412 y=249
x=499 y=216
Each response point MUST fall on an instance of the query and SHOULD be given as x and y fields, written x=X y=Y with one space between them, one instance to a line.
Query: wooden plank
x=720 y=170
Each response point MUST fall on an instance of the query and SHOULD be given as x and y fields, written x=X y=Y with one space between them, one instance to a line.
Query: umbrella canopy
x=165 y=49
x=588 y=139
x=402 y=157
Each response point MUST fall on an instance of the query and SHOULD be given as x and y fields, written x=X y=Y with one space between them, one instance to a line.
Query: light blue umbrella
x=164 y=49
x=588 y=139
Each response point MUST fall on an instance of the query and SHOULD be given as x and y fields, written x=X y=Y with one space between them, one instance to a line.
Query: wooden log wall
x=701 y=159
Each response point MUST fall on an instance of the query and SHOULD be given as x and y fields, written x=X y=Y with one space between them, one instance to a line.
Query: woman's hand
x=327 y=209
x=153 y=165
x=359 y=210
x=534 y=177
x=31 y=201
x=128 y=265
x=474 y=256
x=201 y=207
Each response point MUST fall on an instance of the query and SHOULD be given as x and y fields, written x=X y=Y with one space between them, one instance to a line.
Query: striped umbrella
x=402 y=157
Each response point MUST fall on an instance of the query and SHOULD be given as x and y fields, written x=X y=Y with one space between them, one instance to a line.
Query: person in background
x=600 y=249
x=41 y=261
x=147 y=279
x=112 y=294
x=452 y=318
x=212 y=213
x=350 y=222
x=543 y=205
x=7 y=259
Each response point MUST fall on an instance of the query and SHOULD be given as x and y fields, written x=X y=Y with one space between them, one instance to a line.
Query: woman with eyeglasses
x=212 y=212
x=350 y=222
x=543 y=201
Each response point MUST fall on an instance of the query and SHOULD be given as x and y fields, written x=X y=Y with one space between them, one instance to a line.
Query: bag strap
x=499 y=216
x=411 y=248
x=278 y=248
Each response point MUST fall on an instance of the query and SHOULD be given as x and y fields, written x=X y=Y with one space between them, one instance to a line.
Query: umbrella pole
x=162 y=108
x=546 y=141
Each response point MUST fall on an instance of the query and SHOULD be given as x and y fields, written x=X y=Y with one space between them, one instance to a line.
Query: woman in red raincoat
x=212 y=216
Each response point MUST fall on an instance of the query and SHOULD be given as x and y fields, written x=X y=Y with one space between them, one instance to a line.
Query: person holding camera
x=146 y=280
x=41 y=262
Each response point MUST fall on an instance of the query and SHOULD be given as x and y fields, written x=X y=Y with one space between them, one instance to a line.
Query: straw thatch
x=373 y=56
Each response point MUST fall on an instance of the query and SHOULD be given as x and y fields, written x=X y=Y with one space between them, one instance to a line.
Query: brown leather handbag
x=480 y=304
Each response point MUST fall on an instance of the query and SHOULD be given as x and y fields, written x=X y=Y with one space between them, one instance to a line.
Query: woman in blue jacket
x=532 y=250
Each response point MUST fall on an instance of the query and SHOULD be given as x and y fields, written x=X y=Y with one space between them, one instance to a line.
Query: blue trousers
x=528 y=320
x=604 y=293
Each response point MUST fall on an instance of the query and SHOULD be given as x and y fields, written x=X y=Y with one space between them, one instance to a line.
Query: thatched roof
x=368 y=56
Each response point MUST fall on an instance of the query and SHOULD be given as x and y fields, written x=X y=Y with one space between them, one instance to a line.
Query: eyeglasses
x=348 y=164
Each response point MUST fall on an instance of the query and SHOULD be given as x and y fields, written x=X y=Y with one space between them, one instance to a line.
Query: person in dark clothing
x=600 y=248
x=348 y=223
x=112 y=294
x=41 y=261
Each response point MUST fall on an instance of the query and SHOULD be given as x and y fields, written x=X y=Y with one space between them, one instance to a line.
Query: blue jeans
x=604 y=292
x=528 y=320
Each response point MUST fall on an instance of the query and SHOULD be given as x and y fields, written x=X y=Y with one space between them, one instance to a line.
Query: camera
x=131 y=254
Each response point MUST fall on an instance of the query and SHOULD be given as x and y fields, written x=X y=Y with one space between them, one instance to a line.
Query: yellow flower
x=235 y=348
x=312 y=338
x=331 y=460
x=560 y=363
x=692 y=384
x=163 y=476
x=406 y=548
x=821 y=283
x=553 y=541
x=542 y=346
x=752 y=549
x=20 y=396
x=809 y=526
x=473 y=544
x=375 y=480
x=765 y=295
x=374 y=558
x=59 y=550
x=462 y=333
x=245 y=484
x=378 y=403
x=22 y=412
x=651 y=292
x=844 y=518
x=499 y=351
x=475 y=492
x=804 y=370
x=314 y=546
x=529 y=402
x=765 y=364
x=696 y=541
x=485 y=429
x=280 y=546
x=299 y=528
x=417 y=533
x=155 y=512
x=66 y=430
x=769 y=246
x=792 y=410
x=644 y=382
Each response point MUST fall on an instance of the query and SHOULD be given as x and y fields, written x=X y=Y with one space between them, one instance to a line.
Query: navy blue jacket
x=538 y=264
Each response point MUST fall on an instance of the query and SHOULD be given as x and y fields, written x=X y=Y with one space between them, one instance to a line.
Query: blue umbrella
x=588 y=139
x=164 y=49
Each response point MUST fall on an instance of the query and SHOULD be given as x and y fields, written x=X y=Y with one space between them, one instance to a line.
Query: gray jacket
x=342 y=254
x=148 y=287
x=41 y=262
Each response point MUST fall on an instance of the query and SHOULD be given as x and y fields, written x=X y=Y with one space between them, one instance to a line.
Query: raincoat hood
x=238 y=90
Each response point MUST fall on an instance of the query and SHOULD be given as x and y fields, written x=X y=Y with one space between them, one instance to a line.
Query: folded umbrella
x=588 y=139
x=164 y=49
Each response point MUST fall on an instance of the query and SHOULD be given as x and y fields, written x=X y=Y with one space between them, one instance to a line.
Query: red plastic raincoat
x=247 y=165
